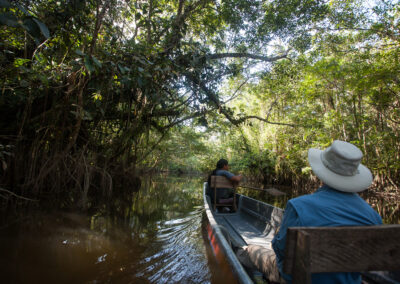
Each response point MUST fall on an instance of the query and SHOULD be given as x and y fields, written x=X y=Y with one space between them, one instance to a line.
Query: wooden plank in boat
x=221 y=182
x=341 y=249
x=249 y=233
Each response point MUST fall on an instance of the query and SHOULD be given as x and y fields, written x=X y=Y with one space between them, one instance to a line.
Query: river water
x=151 y=236
x=154 y=235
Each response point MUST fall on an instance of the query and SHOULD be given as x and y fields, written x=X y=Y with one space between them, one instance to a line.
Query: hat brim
x=356 y=183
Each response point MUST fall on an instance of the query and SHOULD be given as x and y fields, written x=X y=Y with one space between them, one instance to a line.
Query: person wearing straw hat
x=334 y=204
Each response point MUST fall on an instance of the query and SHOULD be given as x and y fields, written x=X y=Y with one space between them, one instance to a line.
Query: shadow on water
x=150 y=236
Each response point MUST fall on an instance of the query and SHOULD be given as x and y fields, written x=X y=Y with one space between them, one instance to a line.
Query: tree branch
x=99 y=20
x=242 y=119
x=153 y=147
x=235 y=121
x=213 y=97
x=236 y=91
x=246 y=55
x=16 y=195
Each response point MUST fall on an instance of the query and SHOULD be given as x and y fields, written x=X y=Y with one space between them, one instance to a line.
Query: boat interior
x=253 y=222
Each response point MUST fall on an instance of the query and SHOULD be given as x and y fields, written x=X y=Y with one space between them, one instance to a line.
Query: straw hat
x=339 y=166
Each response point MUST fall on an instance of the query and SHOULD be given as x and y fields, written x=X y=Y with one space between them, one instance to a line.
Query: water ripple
x=180 y=259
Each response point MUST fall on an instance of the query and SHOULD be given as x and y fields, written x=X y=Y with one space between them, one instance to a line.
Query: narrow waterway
x=150 y=236
x=154 y=235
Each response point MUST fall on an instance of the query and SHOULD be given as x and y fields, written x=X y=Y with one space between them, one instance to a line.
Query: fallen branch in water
x=16 y=195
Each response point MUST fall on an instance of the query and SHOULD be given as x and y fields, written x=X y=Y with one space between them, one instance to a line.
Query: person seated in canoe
x=222 y=169
x=334 y=204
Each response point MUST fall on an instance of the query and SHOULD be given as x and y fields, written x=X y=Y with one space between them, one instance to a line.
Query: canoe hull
x=252 y=223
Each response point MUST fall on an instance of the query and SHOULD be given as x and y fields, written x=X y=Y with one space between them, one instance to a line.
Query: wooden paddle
x=272 y=191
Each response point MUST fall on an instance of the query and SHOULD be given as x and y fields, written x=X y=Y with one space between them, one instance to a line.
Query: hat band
x=339 y=165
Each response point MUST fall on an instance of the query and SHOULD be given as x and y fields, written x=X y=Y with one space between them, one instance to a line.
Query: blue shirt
x=224 y=173
x=326 y=207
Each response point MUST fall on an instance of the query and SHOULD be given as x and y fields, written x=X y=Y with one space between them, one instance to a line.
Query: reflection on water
x=151 y=236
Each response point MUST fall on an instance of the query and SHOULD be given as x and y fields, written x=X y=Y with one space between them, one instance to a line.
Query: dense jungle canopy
x=94 y=91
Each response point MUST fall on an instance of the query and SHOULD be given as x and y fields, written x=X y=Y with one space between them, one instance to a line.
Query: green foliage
x=345 y=88
x=19 y=17
x=97 y=87
x=182 y=150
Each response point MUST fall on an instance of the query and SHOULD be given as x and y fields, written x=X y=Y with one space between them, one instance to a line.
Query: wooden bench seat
x=341 y=249
x=222 y=182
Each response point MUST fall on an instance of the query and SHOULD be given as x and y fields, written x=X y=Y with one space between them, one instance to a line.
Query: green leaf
x=75 y=113
x=4 y=4
x=140 y=82
x=19 y=62
x=8 y=20
x=7 y=153
x=43 y=28
x=23 y=10
x=87 y=115
x=96 y=61
x=121 y=68
x=31 y=27
x=79 y=52
x=88 y=64
x=43 y=79
x=24 y=83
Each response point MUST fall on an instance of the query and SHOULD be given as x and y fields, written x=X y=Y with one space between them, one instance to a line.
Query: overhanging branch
x=246 y=55
x=242 y=119
x=212 y=97
x=223 y=110
x=165 y=128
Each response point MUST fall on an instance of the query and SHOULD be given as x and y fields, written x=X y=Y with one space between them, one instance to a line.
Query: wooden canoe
x=254 y=222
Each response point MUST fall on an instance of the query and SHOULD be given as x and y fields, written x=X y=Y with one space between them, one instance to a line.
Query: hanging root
x=15 y=195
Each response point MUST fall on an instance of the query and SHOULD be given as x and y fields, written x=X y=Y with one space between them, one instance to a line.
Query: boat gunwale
x=235 y=264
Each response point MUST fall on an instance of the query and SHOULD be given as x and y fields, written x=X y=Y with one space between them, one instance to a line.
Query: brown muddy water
x=155 y=235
